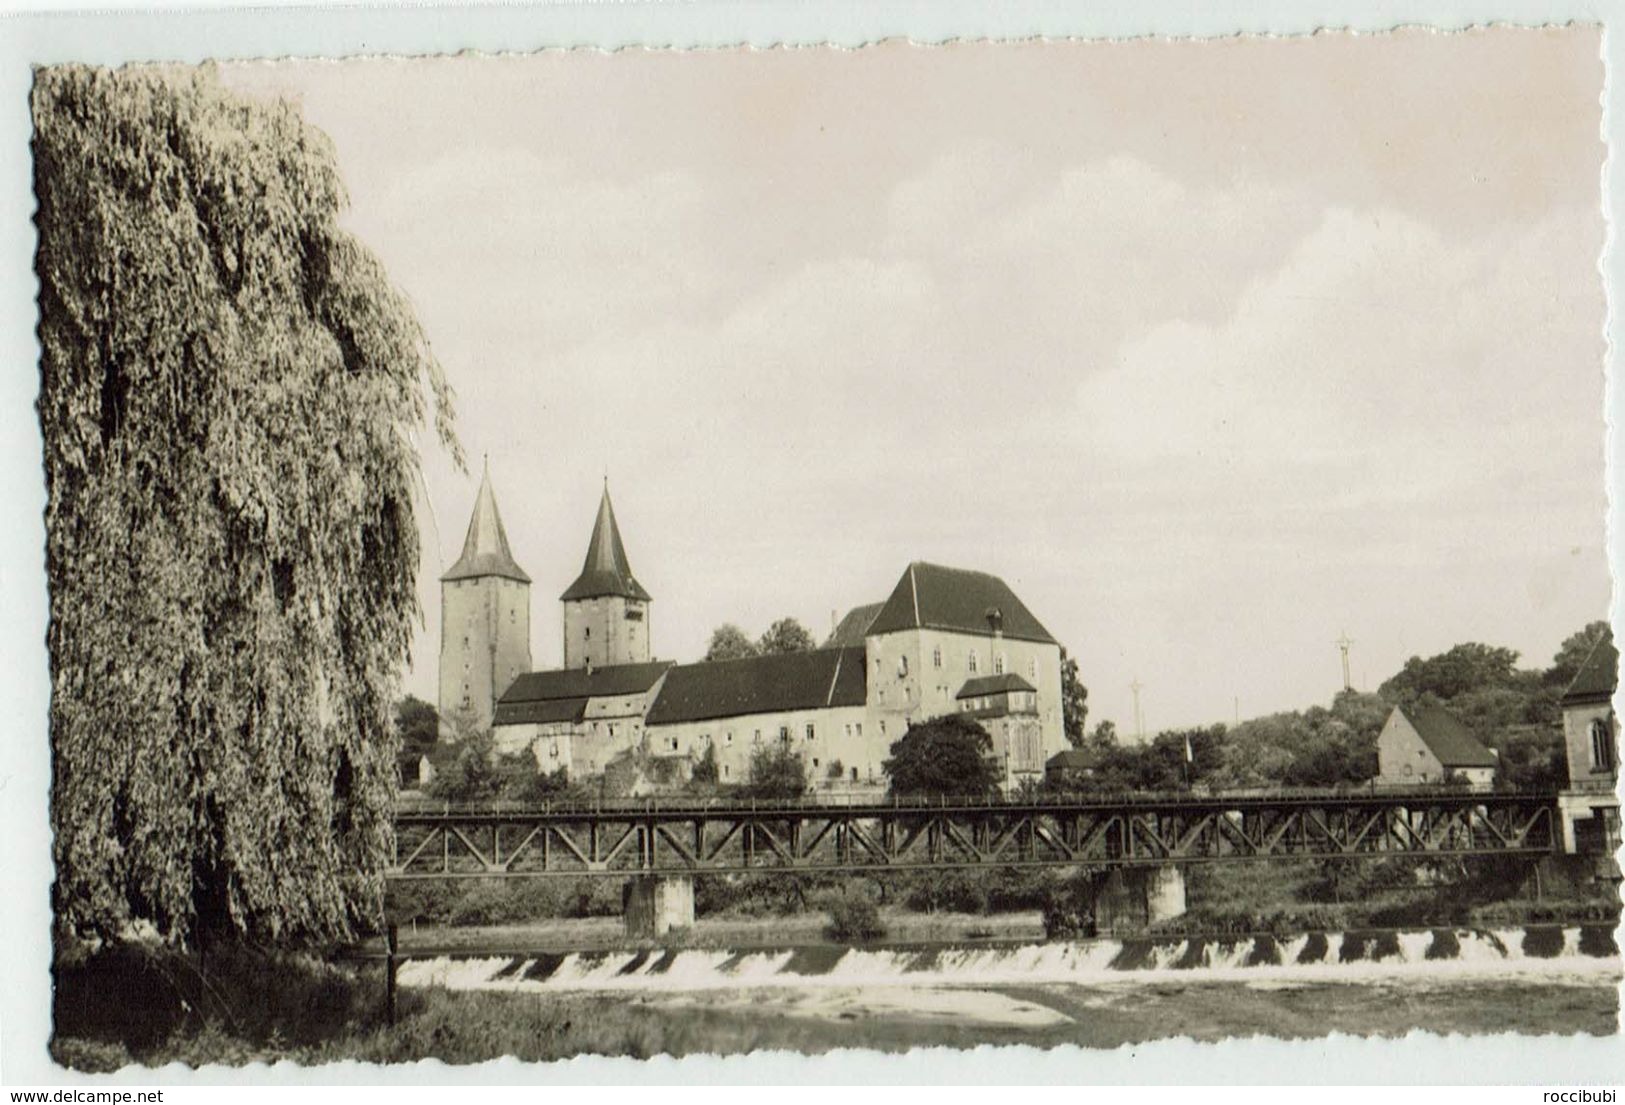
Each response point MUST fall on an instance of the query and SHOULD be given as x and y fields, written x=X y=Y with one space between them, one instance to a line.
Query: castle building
x=944 y=641
x=484 y=619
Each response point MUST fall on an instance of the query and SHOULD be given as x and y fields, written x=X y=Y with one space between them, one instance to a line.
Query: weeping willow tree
x=230 y=392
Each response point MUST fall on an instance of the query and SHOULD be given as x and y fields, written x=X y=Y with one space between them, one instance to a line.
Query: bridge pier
x=653 y=906
x=1127 y=899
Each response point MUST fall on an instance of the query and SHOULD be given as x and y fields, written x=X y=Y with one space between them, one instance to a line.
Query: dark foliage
x=728 y=642
x=950 y=755
x=230 y=393
x=786 y=635
x=1074 y=702
x=854 y=918
x=776 y=772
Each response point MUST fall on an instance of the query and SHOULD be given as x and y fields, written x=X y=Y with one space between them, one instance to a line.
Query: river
x=1096 y=992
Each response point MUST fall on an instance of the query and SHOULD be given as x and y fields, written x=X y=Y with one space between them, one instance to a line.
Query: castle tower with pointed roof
x=484 y=618
x=606 y=610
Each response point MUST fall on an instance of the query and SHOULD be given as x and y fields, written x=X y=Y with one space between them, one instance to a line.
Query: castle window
x=1602 y=746
x=936 y=657
x=784 y=734
x=586 y=634
x=815 y=761
x=902 y=667
x=674 y=744
x=882 y=728
x=860 y=728
x=756 y=737
x=812 y=733
x=728 y=737
x=998 y=664
x=612 y=728
x=970 y=662
x=725 y=771
x=854 y=774
x=1032 y=670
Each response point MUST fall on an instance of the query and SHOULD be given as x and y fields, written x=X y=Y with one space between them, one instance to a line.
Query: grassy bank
x=235 y=1005
x=1330 y=896
x=289 y=1008
x=1278 y=897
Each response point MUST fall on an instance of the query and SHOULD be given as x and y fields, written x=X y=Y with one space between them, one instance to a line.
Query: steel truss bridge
x=674 y=837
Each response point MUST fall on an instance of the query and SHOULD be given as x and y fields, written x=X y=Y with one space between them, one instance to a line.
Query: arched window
x=1602 y=745
x=936 y=657
x=998 y=664
x=902 y=666
x=970 y=662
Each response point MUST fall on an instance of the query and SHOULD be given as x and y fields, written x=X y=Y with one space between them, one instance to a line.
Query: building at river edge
x=945 y=640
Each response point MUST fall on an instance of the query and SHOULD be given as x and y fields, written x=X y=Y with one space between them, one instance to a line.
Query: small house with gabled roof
x=1429 y=745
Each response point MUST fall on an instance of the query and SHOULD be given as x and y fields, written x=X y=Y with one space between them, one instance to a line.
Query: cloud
x=1379 y=352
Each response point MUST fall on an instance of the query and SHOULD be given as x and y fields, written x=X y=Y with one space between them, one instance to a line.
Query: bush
x=1069 y=908
x=947 y=891
x=705 y=771
x=854 y=918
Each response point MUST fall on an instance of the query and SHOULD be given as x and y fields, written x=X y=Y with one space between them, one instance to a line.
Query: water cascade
x=1580 y=953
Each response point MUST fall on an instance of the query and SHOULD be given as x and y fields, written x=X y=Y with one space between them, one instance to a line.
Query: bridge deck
x=616 y=839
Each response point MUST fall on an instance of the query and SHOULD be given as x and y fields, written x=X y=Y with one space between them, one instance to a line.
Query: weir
x=1569 y=952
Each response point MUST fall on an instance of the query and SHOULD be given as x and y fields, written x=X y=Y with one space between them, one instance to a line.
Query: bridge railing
x=687 y=804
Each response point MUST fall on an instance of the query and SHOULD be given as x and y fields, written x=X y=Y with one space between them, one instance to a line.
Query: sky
x=1213 y=350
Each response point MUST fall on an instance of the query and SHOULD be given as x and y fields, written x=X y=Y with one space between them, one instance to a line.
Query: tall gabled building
x=1589 y=805
x=484 y=618
x=606 y=610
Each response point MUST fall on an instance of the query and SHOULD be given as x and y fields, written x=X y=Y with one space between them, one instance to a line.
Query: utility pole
x=1139 y=719
x=1343 y=642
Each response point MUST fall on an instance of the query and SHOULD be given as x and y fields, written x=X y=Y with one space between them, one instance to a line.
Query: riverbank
x=242 y=1007
x=461 y=1028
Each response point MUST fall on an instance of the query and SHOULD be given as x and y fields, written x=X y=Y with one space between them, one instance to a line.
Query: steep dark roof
x=1449 y=740
x=761 y=685
x=933 y=597
x=606 y=570
x=485 y=546
x=1597 y=677
x=993 y=684
x=573 y=683
x=854 y=627
x=539 y=711
x=1073 y=759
